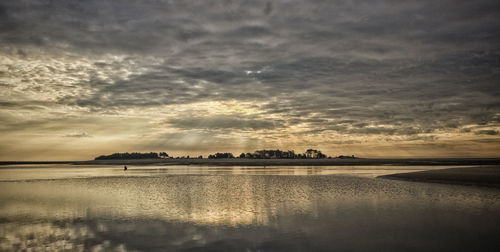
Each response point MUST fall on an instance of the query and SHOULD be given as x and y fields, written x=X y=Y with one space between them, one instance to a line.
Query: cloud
x=380 y=68
x=487 y=132
x=78 y=135
x=224 y=122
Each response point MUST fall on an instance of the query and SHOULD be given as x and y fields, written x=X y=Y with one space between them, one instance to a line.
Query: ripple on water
x=246 y=212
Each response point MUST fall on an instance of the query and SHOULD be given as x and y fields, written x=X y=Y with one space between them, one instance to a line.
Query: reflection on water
x=241 y=209
x=50 y=171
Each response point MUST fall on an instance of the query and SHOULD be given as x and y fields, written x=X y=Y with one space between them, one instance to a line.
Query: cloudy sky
x=370 y=78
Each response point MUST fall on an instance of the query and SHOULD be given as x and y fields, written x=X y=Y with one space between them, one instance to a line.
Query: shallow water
x=240 y=209
x=64 y=171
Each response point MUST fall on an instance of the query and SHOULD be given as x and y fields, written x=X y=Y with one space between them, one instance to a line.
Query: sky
x=371 y=78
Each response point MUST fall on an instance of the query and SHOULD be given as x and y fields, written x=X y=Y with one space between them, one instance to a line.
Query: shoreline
x=487 y=176
x=275 y=162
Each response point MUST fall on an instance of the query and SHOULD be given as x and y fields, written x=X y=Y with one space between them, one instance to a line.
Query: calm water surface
x=195 y=208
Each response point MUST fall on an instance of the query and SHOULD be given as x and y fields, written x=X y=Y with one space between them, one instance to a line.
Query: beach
x=478 y=176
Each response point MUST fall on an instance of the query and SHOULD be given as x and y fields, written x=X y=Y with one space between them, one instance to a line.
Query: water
x=185 y=208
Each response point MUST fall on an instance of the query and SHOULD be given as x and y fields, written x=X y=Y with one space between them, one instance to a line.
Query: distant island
x=259 y=154
x=275 y=154
x=133 y=155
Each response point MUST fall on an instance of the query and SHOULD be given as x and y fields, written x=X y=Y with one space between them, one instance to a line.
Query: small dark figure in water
x=125 y=168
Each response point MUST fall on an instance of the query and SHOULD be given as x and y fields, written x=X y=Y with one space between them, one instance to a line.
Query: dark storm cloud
x=421 y=66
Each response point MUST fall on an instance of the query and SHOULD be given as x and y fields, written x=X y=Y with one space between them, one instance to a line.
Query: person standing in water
x=125 y=168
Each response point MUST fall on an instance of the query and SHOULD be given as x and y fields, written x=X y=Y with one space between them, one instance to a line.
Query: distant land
x=276 y=162
x=310 y=157
x=258 y=154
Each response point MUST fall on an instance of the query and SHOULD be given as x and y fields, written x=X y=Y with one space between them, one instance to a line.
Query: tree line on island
x=259 y=154
x=133 y=155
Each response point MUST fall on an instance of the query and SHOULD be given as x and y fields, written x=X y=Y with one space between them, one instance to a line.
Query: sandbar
x=477 y=176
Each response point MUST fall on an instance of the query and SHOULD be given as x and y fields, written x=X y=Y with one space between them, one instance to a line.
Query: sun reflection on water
x=233 y=210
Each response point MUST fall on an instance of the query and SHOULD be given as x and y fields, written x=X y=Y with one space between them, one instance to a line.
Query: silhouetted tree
x=221 y=155
x=126 y=155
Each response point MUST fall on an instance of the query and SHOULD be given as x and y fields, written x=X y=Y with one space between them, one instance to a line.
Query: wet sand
x=281 y=162
x=478 y=176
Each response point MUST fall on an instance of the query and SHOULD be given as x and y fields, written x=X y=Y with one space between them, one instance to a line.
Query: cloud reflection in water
x=214 y=212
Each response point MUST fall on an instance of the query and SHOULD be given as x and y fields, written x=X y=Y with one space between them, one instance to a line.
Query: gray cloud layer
x=344 y=66
x=223 y=122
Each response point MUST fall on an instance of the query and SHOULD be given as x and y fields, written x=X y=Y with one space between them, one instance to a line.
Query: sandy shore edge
x=276 y=162
x=488 y=176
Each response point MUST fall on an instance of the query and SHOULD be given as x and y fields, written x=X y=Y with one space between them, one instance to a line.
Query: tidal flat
x=237 y=208
x=473 y=176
